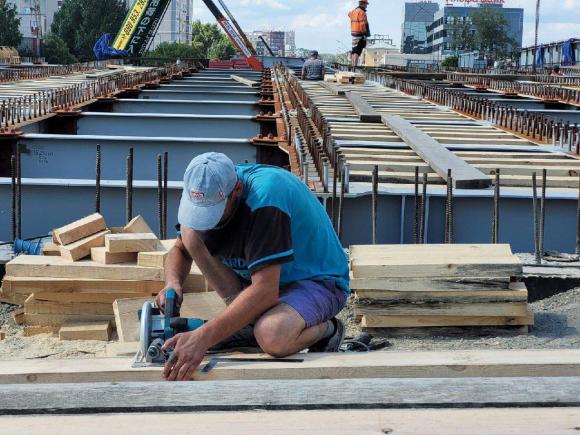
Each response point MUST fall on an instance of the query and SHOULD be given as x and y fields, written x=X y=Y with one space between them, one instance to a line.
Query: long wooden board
x=200 y=306
x=79 y=229
x=34 y=306
x=364 y=110
x=131 y=242
x=407 y=321
x=507 y=421
x=429 y=284
x=437 y=156
x=37 y=285
x=62 y=319
x=387 y=297
x=442 y=364
x=499 y=309
x=82 y=248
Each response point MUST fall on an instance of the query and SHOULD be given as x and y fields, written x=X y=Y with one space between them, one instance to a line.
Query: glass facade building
x=418 y=16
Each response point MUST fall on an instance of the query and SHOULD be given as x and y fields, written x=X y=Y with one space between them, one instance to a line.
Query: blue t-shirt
x=279 y=221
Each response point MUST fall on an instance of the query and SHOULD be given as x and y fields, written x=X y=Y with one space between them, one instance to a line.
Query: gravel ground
x=557 y=326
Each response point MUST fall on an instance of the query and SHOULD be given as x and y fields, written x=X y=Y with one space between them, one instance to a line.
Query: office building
x=280 y=42
x=36 y=17
x=439 y=32
x=417 y=17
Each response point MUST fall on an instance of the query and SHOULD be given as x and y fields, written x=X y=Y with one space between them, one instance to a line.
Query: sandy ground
x=557 y=326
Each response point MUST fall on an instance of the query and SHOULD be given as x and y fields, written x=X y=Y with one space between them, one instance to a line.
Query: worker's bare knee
x=275 y=335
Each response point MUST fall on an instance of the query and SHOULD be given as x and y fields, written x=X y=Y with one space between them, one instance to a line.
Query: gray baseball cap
x=208 y=181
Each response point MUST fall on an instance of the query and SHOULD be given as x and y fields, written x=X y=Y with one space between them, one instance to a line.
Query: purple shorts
x=315 y=301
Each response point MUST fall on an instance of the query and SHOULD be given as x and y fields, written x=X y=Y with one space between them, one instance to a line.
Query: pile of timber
x=346 y=78
x=424 y=288
x=70 y=289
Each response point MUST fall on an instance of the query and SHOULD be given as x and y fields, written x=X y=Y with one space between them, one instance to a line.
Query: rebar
x=423 y=210
x=98 y=181
x=375 y=187
x=19 y=189
x=417 y=208
x=129 y=189
x=543 y=211
x=13 y=191
x=160 y=194
x=341 y=204
x=578 y=220
x=536 y=221
x=165 y=190
x=496 y=200
x=334 y=186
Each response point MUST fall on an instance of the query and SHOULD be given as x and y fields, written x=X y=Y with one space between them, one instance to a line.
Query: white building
x=280 y=42
x=36 y=17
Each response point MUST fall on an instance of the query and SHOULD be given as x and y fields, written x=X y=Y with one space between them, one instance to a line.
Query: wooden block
x=86 y=331
x=379 y=321
x=2 y=335
x=440 y=297
x=330 y=78
x=82 y=248
x=18 y=316
x=428 y=284
x=363 y=109
x=245 y=81
x=135 y=242
x=152 y=259
x=61 y=319
x=137 y=225
x=35 y=306
x=30 y=331
x=101 y=255
x=50 y=249
x=507 y=309
x=40 y=285
x=80 y=229
x=200 y=306
x=90 y=297
x=9 y=297
x=122 y=349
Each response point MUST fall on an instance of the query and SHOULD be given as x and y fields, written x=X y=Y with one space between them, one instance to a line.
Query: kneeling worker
x=266 y=245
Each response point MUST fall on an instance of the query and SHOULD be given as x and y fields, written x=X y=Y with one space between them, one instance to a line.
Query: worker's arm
x=189 y=248
x=303 y=76
x=191 y=347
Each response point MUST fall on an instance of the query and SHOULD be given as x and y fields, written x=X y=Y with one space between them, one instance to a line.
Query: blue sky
x=322 y=24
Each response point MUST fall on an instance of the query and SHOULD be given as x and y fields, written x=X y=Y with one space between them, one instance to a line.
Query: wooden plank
x=437 y=156
x=40 y=285
x=429 y=284
x=50 y=249
x=452 y=309
x=333 y=88
x=56 y=267
x=100 y=298
x=363 y=109
x=82 y=248
x=80 y=229
x=86 y=331
x=387 y=297
x=433 y=364
x=9 y=297
x=152 y=259
x=134 y=242
x=35 y=306
x=137 y=225
x=101 y=255
x=61 y=319
x=31 y=331
x=512 y=421
x=200 y=306
x=199 y=398
x=245 y=81
x=421 y=321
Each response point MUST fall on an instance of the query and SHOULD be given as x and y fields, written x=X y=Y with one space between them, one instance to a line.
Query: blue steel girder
x=184 y=107
x=204 y=88
x=247 y=96
x=43 y=155
x=151 y=125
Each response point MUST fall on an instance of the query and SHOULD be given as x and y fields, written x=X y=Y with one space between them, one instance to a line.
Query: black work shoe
x=332 y=343
x=242 y=339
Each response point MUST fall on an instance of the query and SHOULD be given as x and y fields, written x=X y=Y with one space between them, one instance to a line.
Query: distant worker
x=556 y=72
x=313 y=68
x=359 y=29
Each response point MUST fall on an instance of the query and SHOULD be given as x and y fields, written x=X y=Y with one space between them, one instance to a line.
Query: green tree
x=211 y=41
x=492 y=38
x=56 y=50
x=450 y=62
x=9 y=25
x=80 y=23
x=175 y=51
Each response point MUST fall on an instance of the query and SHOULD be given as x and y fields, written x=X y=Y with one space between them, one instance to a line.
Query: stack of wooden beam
x=426 y=286
x=77 y=293
x=345 y=78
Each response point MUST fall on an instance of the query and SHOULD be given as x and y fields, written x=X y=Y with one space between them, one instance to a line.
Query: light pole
x=535 y=51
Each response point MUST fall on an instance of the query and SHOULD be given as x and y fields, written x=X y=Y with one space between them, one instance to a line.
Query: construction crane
x=143 y=20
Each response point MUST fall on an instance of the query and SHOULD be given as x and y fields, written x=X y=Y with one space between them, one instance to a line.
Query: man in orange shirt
x=359 y=29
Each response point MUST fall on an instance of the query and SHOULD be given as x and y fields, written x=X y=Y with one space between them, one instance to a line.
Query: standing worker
x=266 y=245
x=359 y=29
x=313 y=68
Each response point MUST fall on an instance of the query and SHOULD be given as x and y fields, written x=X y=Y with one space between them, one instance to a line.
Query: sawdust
x=17 y=346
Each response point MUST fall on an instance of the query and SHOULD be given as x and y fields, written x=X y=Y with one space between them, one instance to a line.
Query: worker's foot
x=333 y=338
x=242 y=339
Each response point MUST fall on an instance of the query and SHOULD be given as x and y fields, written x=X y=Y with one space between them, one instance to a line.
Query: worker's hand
x=188 y=352
x=160 y=298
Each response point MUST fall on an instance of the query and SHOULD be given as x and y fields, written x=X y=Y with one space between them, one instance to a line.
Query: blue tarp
x=103 y=50
x=568 y=57
x=540 y=56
